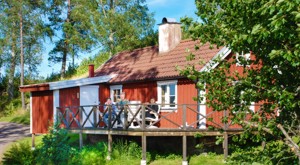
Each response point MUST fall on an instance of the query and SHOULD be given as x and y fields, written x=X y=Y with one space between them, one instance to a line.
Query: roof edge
x=222 y=54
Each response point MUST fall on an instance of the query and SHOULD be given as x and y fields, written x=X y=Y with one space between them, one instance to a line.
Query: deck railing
x=133 y=117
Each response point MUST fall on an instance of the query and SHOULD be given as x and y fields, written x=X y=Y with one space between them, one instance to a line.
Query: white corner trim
x=55 y=104
x=222 y=54
x=31 y=113
x=79 y=82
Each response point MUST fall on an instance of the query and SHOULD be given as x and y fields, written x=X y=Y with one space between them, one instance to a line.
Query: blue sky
x=161 y=8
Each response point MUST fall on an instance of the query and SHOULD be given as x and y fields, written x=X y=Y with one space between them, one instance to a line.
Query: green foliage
x=126 y=150
x=209 y=158
x=275 y=152
x=11 y=107
x=55 y=148
x=22 y=119
x=19 y=153
x=91 y=155
x=270 y=31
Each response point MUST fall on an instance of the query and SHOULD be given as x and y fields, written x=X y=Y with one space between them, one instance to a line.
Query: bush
x=19 y=153
x=91 y=155
x=126 y=150
x=55 y=148
x=275 y=152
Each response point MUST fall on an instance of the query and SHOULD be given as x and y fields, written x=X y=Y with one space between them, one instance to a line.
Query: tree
x=121 y=25
x=71 y=30
x=270 y=30
x=20 y=38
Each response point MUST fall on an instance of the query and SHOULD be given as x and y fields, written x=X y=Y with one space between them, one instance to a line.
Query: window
x=252 y=104
x=242 y=58
x=167 y=94
x=115 y=92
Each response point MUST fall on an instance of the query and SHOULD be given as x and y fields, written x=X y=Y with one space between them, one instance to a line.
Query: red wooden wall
x=42 y=111
x=69 y=97
x=142 y=91
x=217 y=116
x=186 y=91
x=103 y=93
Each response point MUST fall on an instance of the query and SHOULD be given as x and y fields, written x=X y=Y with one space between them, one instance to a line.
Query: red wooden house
x=142 y=74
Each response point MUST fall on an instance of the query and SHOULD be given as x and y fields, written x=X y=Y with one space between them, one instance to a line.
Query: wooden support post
x=33 y=141
x=109 y=145
x=143 y=118
x=225 y=144
x=125 y=125
x=144 y=149
x=68 y=118
x=184 y=117
x=109 y=111
x=225 y=134
x=80 y=140
x=95 y=116
x=184 y=143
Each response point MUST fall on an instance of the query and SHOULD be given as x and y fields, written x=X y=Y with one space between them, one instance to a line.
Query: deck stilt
x=33 y=141
x=144 y=150
x=184 y=159
x=80 y=140
x=109 y=147
x=225 y=144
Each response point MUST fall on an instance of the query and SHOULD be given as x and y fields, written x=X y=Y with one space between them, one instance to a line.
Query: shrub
x=126 y=150
x=275 y=152
x=55 y=148
x=19 y=153
x=91 y=155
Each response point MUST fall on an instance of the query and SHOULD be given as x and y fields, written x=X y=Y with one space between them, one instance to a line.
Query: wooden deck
x=185 y=120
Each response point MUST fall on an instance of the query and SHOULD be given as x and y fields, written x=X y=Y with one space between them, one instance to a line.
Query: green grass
x=209 y=159
x=20 y=117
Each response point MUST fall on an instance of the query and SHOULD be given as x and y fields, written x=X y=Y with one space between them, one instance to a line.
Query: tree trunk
x=21 y=56
x=11 y=75
x=66 y=45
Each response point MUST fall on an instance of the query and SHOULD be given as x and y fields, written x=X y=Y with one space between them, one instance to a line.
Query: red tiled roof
x=147 y=63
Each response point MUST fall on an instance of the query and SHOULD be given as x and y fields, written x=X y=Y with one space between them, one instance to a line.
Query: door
x=89 y=97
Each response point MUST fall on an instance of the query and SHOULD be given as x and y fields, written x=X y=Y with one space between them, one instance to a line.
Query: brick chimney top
x=169 y=34
x=91 y=70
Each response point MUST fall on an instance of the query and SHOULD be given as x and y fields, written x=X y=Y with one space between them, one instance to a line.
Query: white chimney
x=169 y=34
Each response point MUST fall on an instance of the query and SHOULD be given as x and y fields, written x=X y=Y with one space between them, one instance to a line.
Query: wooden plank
x=184 y=149
x=33 y=141
x=80 y=140
x=144 y=147
x=225 y=144
x=109 y=147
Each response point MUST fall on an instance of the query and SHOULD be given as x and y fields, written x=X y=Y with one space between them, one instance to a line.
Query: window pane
x=163 y=90
x=117 y=93
x=172 y=101
x=172 y=89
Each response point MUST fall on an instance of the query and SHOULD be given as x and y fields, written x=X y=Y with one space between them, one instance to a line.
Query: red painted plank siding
x=186 y=91
x=42 y=111
x=143 y=91
x=103 y=93
x=68 y=98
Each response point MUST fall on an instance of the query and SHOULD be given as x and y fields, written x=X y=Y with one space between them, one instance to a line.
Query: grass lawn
x=20 y=117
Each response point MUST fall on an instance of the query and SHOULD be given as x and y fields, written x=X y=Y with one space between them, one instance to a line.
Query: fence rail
x=133 y=117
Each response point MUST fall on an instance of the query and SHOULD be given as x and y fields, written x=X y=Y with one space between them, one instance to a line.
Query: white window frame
x=252 y=103
x=246 y=56
x=159 y=96
x=112 y=88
